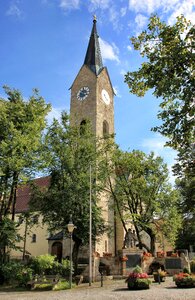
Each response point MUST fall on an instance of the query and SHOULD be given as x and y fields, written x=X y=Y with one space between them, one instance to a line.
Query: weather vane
x=94 y=18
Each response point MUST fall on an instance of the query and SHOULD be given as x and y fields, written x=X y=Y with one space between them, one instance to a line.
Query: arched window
x=105 y=128
x=82 y=126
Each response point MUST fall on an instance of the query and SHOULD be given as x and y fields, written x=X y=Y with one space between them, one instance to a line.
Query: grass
x=12 y=288
x=43 y=287
x=61 y=285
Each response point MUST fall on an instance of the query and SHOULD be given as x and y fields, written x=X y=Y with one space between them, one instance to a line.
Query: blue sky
x=43 y=45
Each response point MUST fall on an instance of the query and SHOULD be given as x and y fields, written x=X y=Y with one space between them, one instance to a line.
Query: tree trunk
x=152 y=244
x=12 y=197
x=140 y=242
x=4 y=185
x=77 y=244
x=15 y=194
x=25 y=235
x=152 y=235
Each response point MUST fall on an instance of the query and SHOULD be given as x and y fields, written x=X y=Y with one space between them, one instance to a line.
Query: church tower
x=92 y=98
x=92 y=92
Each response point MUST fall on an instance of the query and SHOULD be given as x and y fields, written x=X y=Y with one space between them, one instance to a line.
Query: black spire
x=93 y=57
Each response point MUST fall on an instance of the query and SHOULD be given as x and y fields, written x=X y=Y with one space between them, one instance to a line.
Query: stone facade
x=93 y=108
x=96 y=111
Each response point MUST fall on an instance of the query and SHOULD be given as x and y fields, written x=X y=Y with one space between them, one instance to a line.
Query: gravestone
x=173 y=263
x=133 y=260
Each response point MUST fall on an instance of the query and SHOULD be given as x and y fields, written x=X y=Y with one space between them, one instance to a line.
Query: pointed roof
x=93 y=58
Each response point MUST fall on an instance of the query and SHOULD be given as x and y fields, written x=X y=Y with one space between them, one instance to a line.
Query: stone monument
x=130 y=254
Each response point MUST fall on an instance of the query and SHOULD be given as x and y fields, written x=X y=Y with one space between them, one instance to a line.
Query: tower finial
x=94 y=18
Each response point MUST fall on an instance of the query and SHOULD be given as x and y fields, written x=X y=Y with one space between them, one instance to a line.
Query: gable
x=24 y=193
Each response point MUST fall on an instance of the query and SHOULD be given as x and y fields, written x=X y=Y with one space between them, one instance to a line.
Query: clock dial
x=83 y=93
x=105 y=97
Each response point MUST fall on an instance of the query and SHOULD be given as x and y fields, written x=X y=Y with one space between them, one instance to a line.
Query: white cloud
x=150 y=6
x=114 y=17
x=69 y=4
x=166 y=9
x=109 y=51
x=140 y=5
x=107 y=9
x=123 y=72
x=141 y=21
x=156 y=144
x=187 y=8
x=102 y=4
x=54 y=113
x=174 y=8
x=129 y=48
x=14 y=10
x=123 y=11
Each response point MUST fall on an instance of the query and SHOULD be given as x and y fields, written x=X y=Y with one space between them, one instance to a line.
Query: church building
x=92 y=100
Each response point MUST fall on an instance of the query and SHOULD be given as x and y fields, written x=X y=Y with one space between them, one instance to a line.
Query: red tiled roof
x=23 y=193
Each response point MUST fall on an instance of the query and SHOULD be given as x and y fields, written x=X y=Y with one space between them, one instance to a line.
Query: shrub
x=137 y=269
x=138 y=280
x=186 y=270
x=184 y=280
x=9 y=270
x=192 y=266
x=47 y=264
x=17 y=272
x=24 y=275
x=42 y=264
x=62 y=268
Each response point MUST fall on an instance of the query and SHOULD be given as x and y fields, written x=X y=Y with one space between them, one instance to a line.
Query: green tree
x=142 y=195
x=21 y=128
x=8 y=237
x=169 y=72
x=186 y=187
x=71 y=151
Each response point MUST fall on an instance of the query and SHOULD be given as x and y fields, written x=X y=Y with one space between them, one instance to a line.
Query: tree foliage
x=21 y=127
x=169 y=72
x=186 y=187
x=70 y=153
x=142 y=195
x=8 y=237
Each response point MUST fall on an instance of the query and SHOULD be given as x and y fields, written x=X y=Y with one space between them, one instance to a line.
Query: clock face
x=83 y=93
x=105 y=97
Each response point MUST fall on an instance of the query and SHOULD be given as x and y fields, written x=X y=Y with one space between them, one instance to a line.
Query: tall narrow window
x=106 y=246
x=34 y=238
x=105 y=128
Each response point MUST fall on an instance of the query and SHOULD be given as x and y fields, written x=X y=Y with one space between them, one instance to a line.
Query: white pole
x=90 y=229
x=70 y=260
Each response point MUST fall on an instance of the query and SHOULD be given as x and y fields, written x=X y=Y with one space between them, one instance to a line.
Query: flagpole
x=90 y=228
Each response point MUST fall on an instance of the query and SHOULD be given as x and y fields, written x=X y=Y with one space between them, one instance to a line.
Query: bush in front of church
x=48 y=265
x=16 y=273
